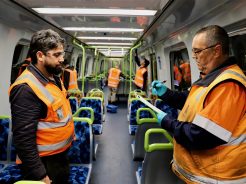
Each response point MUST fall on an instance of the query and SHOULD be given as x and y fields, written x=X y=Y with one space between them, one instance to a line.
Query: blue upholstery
x=4 y=131
x=73 y=104
x=134 y=106
x=166 y=108
x=140 y=168
x=1 y=166
x=133 y=129
x=96 y=105
x=78 y=174
x=80 y=151
x=10 y=174
x=97 y=129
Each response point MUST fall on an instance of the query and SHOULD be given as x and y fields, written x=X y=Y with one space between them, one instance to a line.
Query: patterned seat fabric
x=73 y=104
x=96 y=105
x=166 y=108
x=78 y=174
x=134 y=106
x=4 y=131
x=10 y=174
x=80 y=151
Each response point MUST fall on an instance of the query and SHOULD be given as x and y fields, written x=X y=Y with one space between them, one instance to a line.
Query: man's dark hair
x=216 y=35
x=44 y=40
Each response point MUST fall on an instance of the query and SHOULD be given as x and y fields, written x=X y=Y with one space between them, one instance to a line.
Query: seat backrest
x=157 y=169
x=96 y=104
x=135 y=104
x=74 y=104
x=5 y=138
x=156 y=165
x=139 y=150
x=81 y=149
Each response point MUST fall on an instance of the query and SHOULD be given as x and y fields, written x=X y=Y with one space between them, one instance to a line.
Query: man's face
x=53 y=60
x=203 y=53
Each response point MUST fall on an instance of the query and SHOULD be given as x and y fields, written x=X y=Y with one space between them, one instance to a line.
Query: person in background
x=209 y=134
x=69 y=77
x=177 y=77
x=24 y=65
x=43 y=127
x=186 y=73
x=113 y=82
x=141 y=78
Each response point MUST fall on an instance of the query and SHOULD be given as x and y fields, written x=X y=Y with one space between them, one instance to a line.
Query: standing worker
x=141 y=78
x=113 y=82
x=43 y=127
x=209 y=134
x=186 y=73
x=177 y=77
x=69 y=77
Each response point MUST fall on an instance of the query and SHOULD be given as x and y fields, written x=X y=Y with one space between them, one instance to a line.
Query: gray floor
x=114 y=163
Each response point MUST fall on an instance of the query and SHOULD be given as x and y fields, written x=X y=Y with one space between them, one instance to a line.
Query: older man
x=209 y=134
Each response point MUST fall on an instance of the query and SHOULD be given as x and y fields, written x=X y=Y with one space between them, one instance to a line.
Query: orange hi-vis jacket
x=55 y=133
x=114 y=77
x=224 y=163
x=177 y=74
x=185 y=67
x=139 y=79
x=73 y=84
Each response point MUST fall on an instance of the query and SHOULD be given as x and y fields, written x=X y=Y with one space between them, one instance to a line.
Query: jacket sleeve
x=137 y=60
x=26 y=109
x=175 y=99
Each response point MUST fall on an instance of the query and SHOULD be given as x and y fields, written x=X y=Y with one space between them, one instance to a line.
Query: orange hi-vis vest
x=139 y=80
x=55 y=133
x=185 y=67
x=177 y=74
x=222 y=164
x=73 y=84
x=114 y=77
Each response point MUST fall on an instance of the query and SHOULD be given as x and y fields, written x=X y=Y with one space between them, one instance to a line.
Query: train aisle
x=114 y=163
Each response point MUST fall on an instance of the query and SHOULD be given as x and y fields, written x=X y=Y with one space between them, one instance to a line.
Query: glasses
x=57 y=54
x=198 y=51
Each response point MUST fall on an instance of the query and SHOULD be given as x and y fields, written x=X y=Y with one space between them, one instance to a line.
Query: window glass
x=180 y=65
x=238 y=49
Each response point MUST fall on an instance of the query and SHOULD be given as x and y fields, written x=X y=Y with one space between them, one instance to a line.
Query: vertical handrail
x=136 y=46
x=83 y=64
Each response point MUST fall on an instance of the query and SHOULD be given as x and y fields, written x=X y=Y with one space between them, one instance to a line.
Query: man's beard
x=53 y=70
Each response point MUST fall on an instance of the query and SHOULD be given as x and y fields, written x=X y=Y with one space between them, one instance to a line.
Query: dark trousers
x=57 y=167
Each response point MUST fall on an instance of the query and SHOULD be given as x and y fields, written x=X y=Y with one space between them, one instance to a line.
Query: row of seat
x=80 y=154
x=152 y=146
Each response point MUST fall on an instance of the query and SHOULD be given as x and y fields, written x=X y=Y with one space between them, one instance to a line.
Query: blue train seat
x=134 y=105
x=97 y=105
x=80 y=153
x=156 y=165
x=74 y=104
x=166 y=108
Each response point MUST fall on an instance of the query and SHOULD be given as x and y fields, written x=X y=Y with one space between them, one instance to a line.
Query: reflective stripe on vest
x=205 y=180
x=46 y=125
x=114 y=77
x=40 y=87
x=56 y=146
x=139 y=80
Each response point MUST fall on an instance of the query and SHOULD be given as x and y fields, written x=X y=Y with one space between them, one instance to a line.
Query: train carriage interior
x=119 y=141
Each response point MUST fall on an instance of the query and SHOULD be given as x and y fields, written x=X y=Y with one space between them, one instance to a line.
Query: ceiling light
x=97 y=29
x=105 y=38
x=95 y=12
x=107 y=43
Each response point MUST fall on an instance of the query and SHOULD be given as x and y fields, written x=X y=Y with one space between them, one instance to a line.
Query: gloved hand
x=158 y=88
x=160 y=116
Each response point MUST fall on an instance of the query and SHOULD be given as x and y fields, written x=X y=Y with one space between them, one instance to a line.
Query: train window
x=238 y=49
x=180 y=65
x=20 y=54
